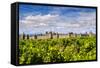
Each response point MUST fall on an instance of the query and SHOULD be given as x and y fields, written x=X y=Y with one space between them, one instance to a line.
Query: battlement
x=51 y=35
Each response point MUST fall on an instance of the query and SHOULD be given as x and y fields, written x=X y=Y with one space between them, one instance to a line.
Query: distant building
x=71 y=34
x=51 y=35
x=91 y=34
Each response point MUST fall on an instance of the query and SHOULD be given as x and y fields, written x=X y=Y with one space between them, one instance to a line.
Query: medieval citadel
x=52 y=35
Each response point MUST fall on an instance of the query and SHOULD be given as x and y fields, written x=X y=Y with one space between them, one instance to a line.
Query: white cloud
x=40 y=22
x=42 y=18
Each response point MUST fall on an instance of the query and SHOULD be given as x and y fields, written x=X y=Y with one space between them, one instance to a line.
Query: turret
x=35 y=36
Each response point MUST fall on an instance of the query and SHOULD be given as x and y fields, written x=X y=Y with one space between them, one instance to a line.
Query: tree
x=27 y=36
x=23 y=36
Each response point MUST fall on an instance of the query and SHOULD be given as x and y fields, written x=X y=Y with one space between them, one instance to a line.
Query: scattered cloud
x=59 y=22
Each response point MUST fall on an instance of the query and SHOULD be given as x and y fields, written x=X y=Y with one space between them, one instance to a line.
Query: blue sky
x=36 y=19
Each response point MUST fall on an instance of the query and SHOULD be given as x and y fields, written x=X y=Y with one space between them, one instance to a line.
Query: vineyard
x=57 y=50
